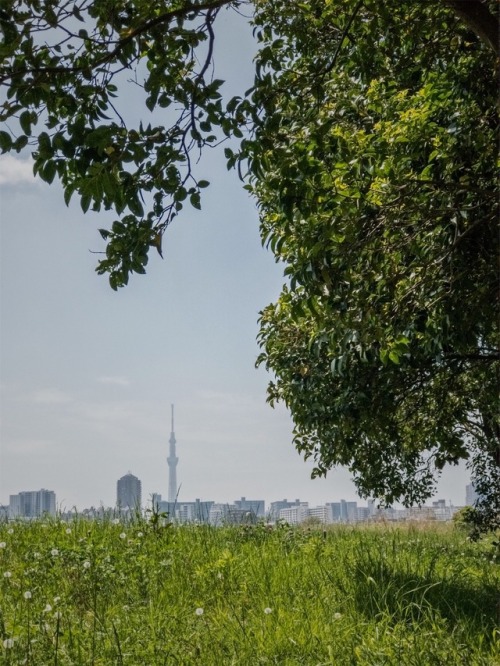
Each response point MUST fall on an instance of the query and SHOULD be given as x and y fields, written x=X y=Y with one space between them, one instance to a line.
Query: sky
x=87 y=375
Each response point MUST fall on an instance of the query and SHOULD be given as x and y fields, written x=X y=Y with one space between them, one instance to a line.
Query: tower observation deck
x=172 y=465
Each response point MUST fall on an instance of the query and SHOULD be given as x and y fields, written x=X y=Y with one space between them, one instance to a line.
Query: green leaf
x=25 y=122
x=195 y=200
x=20 y=143
x=48 y=172
x=5 y=142
x=85 y=202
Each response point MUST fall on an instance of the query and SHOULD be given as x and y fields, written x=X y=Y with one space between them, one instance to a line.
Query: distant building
x=322 y=514
x=363 y=514
x=217 y=513
x=471 y=495
x=255 y=507
x=183 y=512
x=275 y=507
x=295 y=514
x=32 y=504
x=128 y=492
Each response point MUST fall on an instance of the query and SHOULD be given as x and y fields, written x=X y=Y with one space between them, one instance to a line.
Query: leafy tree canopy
x=370 y=143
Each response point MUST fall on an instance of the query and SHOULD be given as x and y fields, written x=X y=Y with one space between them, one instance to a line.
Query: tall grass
x=100 y=594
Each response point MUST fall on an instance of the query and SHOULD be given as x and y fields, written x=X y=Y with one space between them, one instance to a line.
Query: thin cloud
x=52 y=397
x=14 y=171
x=115 y=381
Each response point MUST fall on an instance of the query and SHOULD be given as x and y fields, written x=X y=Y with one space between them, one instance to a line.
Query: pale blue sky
x=88 y=375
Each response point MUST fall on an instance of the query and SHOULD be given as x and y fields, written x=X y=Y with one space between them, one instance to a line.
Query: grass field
x=101 y=593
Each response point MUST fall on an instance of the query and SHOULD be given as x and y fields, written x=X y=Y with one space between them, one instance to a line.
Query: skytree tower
x=172 y=465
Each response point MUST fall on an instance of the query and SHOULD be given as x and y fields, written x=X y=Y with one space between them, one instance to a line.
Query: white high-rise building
x=295 y=514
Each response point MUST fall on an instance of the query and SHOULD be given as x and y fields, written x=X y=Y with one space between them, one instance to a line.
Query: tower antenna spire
x=172 y=461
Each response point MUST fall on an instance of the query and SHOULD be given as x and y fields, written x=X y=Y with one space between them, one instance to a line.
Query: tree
x=377 y=187
x=369 y=141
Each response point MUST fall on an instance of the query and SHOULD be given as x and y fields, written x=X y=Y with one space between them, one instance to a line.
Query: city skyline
x=37 y=504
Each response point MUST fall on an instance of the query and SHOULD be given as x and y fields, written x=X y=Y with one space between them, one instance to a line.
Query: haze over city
x=88 y=375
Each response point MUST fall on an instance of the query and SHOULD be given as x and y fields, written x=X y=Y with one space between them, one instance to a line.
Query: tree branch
x=478 y=18
x=165 y=18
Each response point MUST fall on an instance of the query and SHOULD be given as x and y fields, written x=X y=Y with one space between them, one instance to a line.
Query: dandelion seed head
x=68 y=531
x=123 y=535
x=7 y=574
x=54 y=552
x=199 y=611
x=36 y=556
x=58 y=615
x=47 y=608
x=115 y=521
x=8 y=643
x=2 y=544
x=268 y=611
x=86 y=564
x=57 y=600
x=337 y=616
x=27 y=594
x=10 y=531
x=140 y=535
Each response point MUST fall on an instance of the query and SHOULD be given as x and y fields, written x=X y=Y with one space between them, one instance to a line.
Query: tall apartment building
x=128 y=492
x=32 y=504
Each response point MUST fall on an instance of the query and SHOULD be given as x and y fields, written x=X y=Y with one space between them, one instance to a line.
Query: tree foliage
x=370 y=143
x=377 y=187
x=67 y=71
